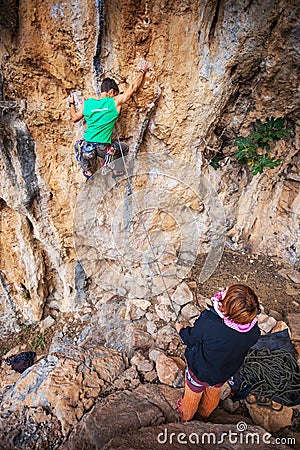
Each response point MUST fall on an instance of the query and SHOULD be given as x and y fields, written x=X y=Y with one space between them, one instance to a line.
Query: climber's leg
x=83 y=158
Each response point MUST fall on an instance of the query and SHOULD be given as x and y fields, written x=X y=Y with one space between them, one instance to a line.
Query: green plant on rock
x=39 y=342
x=214 y=162
x=27 y=327
x=25 y=293
x=254 y=149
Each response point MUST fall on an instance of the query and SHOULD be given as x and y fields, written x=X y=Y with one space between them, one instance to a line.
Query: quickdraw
x=108 y=162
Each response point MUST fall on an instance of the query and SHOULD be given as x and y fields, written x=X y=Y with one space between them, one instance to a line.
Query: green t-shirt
x=100 y=116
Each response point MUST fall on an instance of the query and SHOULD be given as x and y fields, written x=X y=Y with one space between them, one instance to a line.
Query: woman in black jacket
x=216 y=347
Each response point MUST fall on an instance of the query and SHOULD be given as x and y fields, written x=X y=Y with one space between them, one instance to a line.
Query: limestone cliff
x=219 y=65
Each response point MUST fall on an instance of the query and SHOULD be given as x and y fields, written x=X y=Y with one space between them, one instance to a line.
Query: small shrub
x=39 y=342
x=215 y=162
x=254 y=149
x=25 y=293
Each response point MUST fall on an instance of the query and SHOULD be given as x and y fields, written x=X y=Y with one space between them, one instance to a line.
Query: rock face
x=205 y=436
x=218 y=67
x=271 y=421
x=149 y=414
x=57 y=391
x=169 y=371
x=83 y=394
x=145 y=406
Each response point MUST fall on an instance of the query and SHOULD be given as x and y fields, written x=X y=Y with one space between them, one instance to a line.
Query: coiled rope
x=272 y=374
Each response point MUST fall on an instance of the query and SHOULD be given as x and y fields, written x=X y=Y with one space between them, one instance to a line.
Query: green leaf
x=215 y=163
x=240 y=154
x=266 y=132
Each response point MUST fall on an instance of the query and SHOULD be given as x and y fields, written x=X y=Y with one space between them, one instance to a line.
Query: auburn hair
x=240 y=304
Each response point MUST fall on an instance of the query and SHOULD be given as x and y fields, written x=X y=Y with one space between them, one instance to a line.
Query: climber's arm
x=75 y=115
x=135 y=85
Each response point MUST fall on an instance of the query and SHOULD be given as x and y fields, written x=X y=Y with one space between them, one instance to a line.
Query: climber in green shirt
x=101 y=115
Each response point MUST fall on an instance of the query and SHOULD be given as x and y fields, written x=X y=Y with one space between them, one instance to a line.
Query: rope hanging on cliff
x=272 y=375
x=129 y=191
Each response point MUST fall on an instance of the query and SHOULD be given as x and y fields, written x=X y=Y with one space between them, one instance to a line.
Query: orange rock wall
x=219 y=66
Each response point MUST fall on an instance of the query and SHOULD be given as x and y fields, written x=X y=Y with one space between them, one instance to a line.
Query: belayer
x=101 y=115
x=216 y=347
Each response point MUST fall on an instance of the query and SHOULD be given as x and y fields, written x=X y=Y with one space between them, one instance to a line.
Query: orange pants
x=204 y=402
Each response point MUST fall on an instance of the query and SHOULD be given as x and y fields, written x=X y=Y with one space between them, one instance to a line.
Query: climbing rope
x=130 y=191
x=272 y=375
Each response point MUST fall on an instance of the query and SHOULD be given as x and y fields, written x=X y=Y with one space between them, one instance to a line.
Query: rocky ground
x=116 y=364
x=276 y=285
